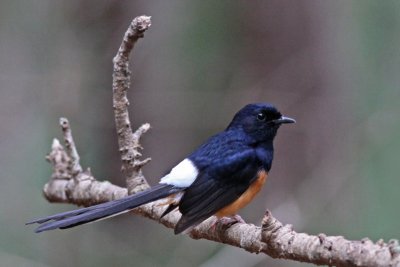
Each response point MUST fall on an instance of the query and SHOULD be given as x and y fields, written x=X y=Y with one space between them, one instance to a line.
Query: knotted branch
x=70 y=184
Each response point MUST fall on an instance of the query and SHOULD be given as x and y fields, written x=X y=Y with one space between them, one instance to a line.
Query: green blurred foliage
x=378 y=108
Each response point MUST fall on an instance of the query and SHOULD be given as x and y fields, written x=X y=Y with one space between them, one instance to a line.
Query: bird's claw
x=226 y=222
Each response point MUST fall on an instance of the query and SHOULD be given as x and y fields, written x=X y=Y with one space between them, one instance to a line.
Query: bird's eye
x=261 y=116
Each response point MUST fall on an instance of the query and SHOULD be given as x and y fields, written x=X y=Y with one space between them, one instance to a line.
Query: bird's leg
x=226 y=222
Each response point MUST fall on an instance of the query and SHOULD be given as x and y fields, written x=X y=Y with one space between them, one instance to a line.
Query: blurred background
x=331 y=65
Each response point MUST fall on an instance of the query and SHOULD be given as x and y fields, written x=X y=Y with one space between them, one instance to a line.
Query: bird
x=219 y=178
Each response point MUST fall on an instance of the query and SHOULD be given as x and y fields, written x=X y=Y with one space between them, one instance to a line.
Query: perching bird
x=222 y=176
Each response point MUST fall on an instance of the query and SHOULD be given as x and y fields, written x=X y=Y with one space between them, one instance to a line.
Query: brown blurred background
x=332 y=65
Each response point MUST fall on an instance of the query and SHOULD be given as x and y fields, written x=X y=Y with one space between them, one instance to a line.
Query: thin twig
x=127 y=140
x=72 y=152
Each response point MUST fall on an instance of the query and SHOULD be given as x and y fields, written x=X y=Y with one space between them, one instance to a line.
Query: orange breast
x=245 y=198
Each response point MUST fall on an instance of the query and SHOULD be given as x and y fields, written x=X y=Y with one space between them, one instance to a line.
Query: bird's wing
x=217 y=186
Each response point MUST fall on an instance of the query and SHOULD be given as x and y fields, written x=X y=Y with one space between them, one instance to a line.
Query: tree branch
x=128 y=141
x=326 y=250
x=70 y=184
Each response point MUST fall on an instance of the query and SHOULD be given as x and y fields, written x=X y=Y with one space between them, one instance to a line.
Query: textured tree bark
x=70 y=184
x=127 y=140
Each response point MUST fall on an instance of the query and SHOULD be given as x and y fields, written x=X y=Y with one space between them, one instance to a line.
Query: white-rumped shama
x=222 y=176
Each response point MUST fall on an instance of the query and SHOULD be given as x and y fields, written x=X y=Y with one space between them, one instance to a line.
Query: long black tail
x=97 y=212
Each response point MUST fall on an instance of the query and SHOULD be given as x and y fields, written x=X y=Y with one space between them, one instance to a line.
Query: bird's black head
x=259 y=121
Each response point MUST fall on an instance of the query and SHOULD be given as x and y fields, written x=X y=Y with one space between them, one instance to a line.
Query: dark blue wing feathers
x=218 y=185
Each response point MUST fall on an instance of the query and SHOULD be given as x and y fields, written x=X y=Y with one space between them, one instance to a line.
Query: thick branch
x=128 y=141
x=285 y=243
x=70 y=184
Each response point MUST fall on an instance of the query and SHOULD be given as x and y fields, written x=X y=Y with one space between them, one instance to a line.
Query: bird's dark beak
x=284 y=119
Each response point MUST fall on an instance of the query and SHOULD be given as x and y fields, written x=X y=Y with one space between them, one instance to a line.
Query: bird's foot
x=238 y=218
x=226 y=222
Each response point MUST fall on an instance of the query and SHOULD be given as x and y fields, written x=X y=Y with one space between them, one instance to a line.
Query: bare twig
x=68 y=173
x=273 y=238
x=127 y=140
x=74 y=164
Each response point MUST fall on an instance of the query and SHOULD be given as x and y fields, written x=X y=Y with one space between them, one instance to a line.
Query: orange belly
x=245 y=198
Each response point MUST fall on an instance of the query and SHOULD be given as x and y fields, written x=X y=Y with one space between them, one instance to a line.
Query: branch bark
x=128 y=141
x=70 y=184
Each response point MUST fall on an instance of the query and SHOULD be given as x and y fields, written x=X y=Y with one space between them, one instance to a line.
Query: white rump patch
x=182 y=175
